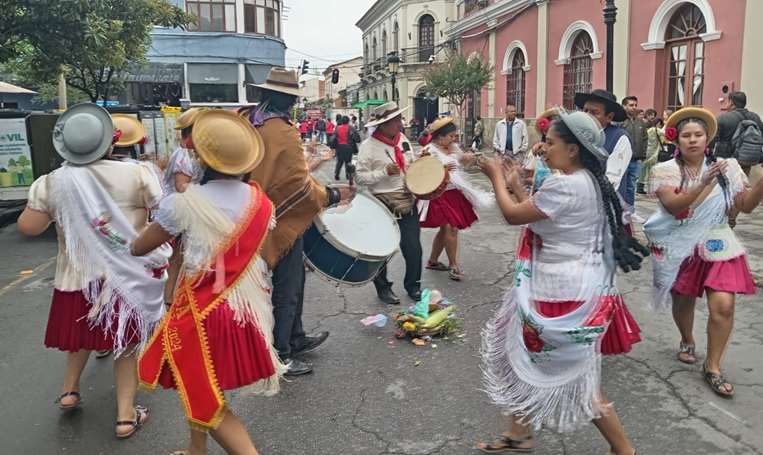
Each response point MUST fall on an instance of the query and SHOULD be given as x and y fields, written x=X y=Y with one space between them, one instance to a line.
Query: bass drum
x=350 y=244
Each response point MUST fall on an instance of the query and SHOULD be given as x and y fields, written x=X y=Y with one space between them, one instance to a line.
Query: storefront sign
x=15 y=153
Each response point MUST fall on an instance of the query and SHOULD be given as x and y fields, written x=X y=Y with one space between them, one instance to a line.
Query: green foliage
x=457 y=78
x=93 y=41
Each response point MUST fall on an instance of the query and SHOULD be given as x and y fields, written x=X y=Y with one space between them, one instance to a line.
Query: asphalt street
x=373 y=394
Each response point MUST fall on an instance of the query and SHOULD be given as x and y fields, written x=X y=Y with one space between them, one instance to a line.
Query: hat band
x=282 y=84
x=386 y=113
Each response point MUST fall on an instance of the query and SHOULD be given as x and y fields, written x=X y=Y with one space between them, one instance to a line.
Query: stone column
x=491 y=107
x=540 y=81
x=241 y=84
x=622 y=48
x=752 y=64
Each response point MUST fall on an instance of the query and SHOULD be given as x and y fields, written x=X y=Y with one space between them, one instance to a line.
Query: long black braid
x=709 y=159
x=628 y=251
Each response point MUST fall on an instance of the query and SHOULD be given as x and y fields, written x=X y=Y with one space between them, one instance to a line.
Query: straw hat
x=588 y=131
x=281 y=80
x=439 y=123
x=548 y=115
x=385 y=112
x=132 y=129
x=187 y=118
x=226 y=142
x=698 y=113
x=83 y=134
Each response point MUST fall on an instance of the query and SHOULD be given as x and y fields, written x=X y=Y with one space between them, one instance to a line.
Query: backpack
x=748 y=141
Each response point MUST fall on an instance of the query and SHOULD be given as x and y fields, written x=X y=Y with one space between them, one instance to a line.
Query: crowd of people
x=193 y=275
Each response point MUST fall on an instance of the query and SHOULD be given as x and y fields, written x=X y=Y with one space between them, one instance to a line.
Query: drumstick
x=393 y=160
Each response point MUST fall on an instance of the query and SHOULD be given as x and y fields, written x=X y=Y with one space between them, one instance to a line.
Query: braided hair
x=628 y=251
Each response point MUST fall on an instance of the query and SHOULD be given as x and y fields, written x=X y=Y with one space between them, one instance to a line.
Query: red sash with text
x=181 y=340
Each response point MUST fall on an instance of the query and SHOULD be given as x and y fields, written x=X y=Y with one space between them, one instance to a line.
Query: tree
x=92 y=41
x=458 y=78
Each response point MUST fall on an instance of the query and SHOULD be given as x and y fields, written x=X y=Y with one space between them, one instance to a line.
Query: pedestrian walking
x=303 y=129
x=454 y=210
x=655 y=144
x=695 y=250
x=479 y=130
x=739 y=133
x=183 y=167
x=510 y=138
x=320 y=129
x=345 y=143
x=103 y=298
x=330 y=129
x=221 y=321
x=637 y=132
x=542 y=351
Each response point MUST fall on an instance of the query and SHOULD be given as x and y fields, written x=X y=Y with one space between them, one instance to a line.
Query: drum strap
x=400 y=203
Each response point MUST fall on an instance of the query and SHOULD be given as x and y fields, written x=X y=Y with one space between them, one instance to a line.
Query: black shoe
x=336 y=177
x=297 y=368
x=388 y=297
x=416 y=295
x=310 y=344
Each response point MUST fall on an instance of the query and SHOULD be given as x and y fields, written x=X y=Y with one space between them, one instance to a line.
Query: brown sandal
x=506 y=445
x=141 y=415
x=437 y=265
x=686 y=353
x=716 y=381
x=66 y=407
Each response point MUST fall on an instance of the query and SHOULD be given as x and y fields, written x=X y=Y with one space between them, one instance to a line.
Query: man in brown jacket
x=298 y=198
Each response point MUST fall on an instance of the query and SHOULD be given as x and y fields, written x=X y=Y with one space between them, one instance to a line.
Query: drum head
x=425 y=175
x=366 y=229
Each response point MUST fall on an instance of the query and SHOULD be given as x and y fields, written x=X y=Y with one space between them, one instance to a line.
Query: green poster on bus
x=15 y=154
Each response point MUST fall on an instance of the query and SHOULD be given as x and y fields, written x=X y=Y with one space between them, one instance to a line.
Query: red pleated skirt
x=697 y=274
x=239 y=353
x=623 y=332
x=69 y=329
x=451 y=208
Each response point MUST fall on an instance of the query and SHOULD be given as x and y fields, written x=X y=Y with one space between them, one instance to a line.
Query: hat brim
x=139 y=132
x=278 y=88
x=388 y=117
x=185 y=120
x=256 y=144
x=695 y=112
x=440 y=123
x=582 y=98
x=103 y=146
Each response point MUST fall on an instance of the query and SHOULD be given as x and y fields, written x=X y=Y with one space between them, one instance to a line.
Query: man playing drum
x=382 y=161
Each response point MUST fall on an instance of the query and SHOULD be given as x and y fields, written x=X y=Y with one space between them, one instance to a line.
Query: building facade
x=233 y=44
x=668 y=53
x=312 y=89
x=349 y=74
x=413 y=31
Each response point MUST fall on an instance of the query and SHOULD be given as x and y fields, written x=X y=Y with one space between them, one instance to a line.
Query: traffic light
x=305 y=66
x=335 y=76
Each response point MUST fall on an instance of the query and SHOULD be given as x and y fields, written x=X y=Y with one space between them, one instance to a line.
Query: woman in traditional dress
x=218 y=334
x=454 y=209
x=183 y=167
x=103 y=297
x=694 y=249
x=542 y=351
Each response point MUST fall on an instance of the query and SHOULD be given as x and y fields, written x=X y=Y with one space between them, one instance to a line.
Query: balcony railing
x=417 y=54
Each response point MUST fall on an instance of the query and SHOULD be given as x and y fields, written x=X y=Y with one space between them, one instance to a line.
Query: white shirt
x=518 y=136
x=371 y=170
x=618 y=161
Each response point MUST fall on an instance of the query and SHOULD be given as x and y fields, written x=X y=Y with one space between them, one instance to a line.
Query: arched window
x=376 y=95
x=685 y=57
x=578 y=73
x=384 y=44
x=515 y=83
x=386 y=96
x=426 y=37
x=396 y=38
x=373 y=50
x=366 y=57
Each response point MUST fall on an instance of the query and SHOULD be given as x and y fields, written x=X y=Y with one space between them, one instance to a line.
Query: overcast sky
x=324 y=29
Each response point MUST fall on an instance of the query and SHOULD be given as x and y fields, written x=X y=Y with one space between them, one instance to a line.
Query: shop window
x=213 y=16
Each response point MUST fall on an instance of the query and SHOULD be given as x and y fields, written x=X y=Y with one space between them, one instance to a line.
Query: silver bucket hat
x=588 y=131
x=83 y=134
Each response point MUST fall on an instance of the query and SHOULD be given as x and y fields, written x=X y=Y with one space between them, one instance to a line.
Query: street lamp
x=393 y=64
x=610 y=17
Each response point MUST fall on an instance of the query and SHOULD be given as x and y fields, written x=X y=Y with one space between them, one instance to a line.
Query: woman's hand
x=468 y=158
x=452 y=167
x=715 y=169
x=492 y=168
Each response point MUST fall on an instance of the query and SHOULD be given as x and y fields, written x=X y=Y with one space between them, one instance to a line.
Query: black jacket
x=727 y=126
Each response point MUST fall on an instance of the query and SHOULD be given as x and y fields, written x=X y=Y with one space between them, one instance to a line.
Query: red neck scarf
x=394 y=142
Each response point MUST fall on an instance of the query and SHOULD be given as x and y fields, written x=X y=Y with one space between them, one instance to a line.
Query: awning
x=365 y=104
x=155 y=72
x=212 y=73
x=10 y=88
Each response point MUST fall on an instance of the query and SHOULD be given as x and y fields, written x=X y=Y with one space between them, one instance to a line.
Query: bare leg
x=233 y=436
x=451 y=246
x=198 y=445
x=683 y=315
x=438 y=244
x=611 y=428
x=126 y=382
x=75 y=363
x=719 y=326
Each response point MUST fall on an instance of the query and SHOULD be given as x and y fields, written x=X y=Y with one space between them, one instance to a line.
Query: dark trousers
x=288 y=296
x=410 y=246
x=343 y=160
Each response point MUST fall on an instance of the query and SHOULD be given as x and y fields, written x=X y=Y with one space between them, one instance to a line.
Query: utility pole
x=610 y=17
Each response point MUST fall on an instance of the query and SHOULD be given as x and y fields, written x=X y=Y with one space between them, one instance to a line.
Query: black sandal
x=716 y=381
x=438 y=266
x=506 y=445
x=141 y=415
x=66 y=407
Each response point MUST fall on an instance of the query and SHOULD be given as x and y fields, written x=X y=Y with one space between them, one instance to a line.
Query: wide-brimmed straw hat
x=132 y=129
x=187 y=118
x=588 y=131
x=83 y=134
x=440 y=122
x=281 y=80
x=698 y=113
x=602 y=96
x=226 y=142
x=385 y=113
x=546 y=117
